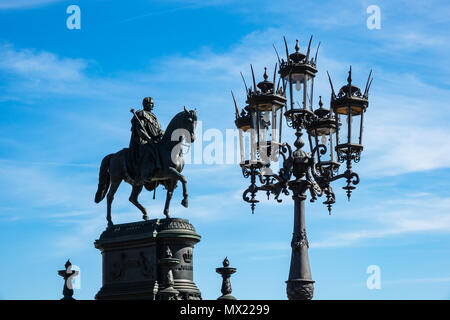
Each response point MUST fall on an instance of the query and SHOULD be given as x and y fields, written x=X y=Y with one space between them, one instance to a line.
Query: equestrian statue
x=154 y=157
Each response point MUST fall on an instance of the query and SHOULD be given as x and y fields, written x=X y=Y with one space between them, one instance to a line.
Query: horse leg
x=184 y=202
x=170 y=186
x=110 y=198
x=183 y=181
x=134 y=200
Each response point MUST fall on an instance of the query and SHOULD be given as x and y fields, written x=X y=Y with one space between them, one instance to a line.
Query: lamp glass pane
x=297 y=77
x=354 y=124
x=356 y=129
x=241 y=146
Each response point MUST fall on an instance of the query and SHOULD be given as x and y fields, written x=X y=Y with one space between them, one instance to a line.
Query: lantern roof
x=265 y=85
x=323 y=123
x=297 y=56
x=267 y=95
x=350 y=96
x=243 y=121
x=298 y=62
x=321 y=112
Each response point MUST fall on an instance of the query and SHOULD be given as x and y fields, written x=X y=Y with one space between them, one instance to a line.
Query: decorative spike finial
x=235 y=105
x=349 y=79
x=309 y=48
x=317 y=51
x=245 y=84
x=276 y=52
x=254 y=81
x=370 y=83
x=278 y=57
x=297 y=46
x=332 y=88
x=366 y=90
x=274 y=76
x=265 y=74
x=287 y=50
x=225 y=262
x=348 y=189
x=320 y=102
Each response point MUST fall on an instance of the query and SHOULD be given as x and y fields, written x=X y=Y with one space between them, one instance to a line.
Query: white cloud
x=392 y=218
x=206 y=66
x=406 y=128
x=40 y=66
x=35 y=186
x=417 y=40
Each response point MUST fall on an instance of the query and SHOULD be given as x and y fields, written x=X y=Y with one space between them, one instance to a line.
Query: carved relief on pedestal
x=125 y=265
x=187 y=256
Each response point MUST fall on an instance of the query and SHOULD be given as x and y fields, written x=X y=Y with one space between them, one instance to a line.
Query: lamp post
x=327 y=129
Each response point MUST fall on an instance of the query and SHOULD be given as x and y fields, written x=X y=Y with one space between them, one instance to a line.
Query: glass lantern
x=299 y=72
x=321 y=132
x=349 y=107
x=259 y=122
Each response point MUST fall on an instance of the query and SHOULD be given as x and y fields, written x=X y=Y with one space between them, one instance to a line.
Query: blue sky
x=65 y=97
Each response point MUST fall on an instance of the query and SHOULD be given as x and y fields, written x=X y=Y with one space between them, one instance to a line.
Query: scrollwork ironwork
x=300 y=164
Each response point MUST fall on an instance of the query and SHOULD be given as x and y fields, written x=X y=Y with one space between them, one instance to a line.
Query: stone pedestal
x=131 y=252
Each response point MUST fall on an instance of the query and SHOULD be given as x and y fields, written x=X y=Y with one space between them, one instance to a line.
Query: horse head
x=182 y=126
x=190 y=122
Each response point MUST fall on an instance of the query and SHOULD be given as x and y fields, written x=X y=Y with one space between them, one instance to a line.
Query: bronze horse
x=113 y=168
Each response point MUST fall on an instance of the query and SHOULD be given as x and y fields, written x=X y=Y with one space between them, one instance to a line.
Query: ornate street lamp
x=261 y=122
x=301 y=171
x=351 y=105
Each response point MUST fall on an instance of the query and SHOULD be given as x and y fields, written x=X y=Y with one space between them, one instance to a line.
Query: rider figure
x=145 y=129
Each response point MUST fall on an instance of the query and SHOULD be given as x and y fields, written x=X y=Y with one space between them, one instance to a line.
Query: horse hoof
x=184 y=203
x=145 y=217
x=110 y=224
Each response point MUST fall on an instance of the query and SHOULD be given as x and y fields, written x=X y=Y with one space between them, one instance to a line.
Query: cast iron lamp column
x=301 y=171
x=300 y=285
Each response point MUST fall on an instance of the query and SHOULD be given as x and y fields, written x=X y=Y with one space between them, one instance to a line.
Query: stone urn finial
x=226 y=271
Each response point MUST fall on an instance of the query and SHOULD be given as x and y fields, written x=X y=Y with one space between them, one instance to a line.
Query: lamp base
x=300 y=289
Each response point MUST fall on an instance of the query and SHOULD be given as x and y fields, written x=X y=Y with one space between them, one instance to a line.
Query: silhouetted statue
x=154 y=158
x=145 y=129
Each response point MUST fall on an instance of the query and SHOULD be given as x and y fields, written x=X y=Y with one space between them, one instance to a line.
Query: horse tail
x=103 y=179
